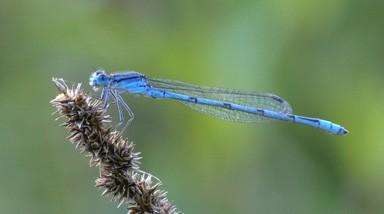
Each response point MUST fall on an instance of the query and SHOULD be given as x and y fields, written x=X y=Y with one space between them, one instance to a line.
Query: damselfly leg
x=104 y=97
x=121 y=106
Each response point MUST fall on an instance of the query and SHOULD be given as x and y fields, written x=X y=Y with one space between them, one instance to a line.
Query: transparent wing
x=256 y=100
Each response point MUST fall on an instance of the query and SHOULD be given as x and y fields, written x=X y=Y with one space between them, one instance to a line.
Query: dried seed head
x=118 y=163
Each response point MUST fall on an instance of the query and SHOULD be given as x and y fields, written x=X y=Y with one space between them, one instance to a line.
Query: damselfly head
x=99 y=78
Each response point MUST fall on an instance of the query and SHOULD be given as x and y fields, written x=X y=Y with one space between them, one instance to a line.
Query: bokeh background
x=324 y=57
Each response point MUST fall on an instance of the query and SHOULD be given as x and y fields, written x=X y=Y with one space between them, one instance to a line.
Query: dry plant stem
x=120 y=176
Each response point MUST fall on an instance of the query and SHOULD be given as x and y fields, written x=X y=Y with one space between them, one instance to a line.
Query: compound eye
x=99 y=72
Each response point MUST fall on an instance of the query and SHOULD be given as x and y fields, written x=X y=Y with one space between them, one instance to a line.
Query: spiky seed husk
x=118 y=163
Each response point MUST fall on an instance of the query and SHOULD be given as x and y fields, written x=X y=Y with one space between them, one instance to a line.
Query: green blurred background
x=324 y=57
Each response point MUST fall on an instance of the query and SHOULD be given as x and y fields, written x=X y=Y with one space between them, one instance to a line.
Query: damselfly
x=228 y=104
